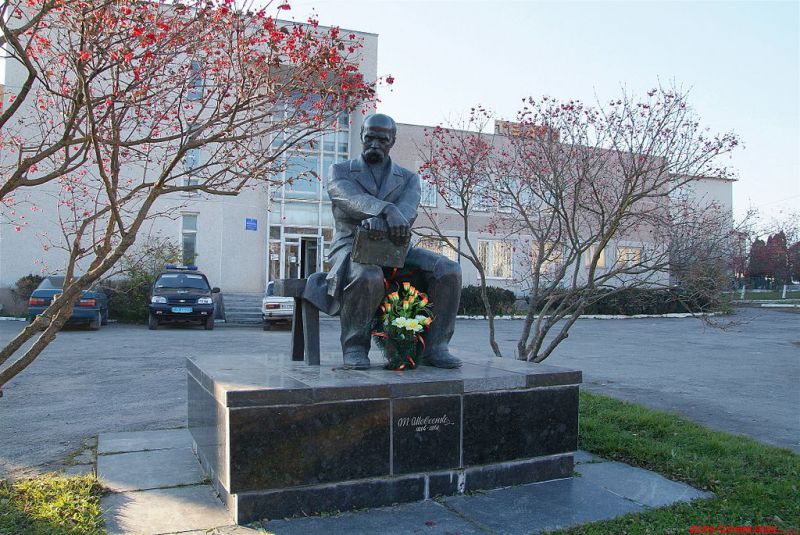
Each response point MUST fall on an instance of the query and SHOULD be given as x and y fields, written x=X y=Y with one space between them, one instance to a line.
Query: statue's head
x=377 y=137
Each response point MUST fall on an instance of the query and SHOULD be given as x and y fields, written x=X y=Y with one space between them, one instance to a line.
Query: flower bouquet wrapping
x=399 y=325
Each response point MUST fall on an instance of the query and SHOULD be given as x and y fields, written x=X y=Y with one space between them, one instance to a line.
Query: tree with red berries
x=118 y=96
x=458 y=162
x=590 y=196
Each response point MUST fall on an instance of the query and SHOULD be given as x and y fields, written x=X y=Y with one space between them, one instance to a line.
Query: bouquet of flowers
x=399 y=325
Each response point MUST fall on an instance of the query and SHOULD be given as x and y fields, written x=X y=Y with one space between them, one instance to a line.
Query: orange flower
x=387 y=307
x=406 y=286
x=394 y=296
x=424 y=301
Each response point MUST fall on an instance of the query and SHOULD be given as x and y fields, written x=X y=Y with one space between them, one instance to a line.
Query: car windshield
x=182 y=280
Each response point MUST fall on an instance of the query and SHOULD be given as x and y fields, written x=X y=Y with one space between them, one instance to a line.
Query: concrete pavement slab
x=542 y=506
x=606 y=489
x=641 y=486
x=128 y=441
x=143 y=470
x=582 y=457
x=429 y=517
x=151 y=512
x=223 y=530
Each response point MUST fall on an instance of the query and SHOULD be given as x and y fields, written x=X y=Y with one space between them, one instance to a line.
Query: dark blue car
x=91 y=309
x=181 y=294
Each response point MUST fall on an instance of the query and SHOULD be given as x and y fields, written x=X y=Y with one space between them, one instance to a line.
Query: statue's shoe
x=356 y=360
x=441 y=359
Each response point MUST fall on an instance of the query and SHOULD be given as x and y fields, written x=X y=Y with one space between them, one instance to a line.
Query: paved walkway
x=124 y=377
x=158 y=488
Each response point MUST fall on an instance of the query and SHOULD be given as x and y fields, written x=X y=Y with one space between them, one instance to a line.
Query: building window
x=481 y=199
x=302 y=172
x=191 y=159
x=308 y=168
x=196 y=81
x=428 y=194
x=189 y=238
x=554 y=255
x=497 y=258
x=506 y=206
x=440 y=246
x=428 y=188
x=601 y=260
x=629 y=256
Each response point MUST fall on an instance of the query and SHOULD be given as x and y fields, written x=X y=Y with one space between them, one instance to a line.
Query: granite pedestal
x=281 y=439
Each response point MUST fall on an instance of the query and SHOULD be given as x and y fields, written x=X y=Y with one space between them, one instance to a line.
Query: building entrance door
x=300 y=256
x=291 y=260
x=308 y=250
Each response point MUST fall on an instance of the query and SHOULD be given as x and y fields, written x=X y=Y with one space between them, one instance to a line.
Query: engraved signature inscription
x=425 y=423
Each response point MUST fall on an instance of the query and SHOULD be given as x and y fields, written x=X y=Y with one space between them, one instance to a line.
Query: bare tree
x=589 y=196
x=120 y=95
x=458 y=163
x=594 y=188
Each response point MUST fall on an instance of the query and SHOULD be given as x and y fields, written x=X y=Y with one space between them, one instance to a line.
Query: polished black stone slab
x=426 y=434
x=279 y=438
x=504 y=426
x=317 y=499
x=293 y=445
x=207 y=421
x=252 y=380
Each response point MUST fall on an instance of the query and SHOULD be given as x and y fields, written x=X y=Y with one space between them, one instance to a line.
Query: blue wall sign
x=250 y=224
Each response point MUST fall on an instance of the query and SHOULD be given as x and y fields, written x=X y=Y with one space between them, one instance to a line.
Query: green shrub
x=26 y=285
x=632 y=301
x=127 y=299
x=500 y=299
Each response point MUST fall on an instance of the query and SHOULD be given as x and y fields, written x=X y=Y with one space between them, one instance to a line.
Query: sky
x=740 y=62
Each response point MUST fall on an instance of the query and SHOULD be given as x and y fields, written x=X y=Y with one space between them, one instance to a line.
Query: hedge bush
x=127 y=299
x=500 y=299
x=632 y=301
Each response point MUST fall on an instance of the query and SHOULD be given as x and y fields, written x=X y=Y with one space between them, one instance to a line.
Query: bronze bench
x=305 y=320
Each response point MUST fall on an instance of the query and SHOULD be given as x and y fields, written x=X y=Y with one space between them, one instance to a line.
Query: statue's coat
x=356 y=196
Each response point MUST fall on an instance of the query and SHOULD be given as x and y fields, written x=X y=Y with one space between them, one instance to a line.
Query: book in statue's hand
x=378 y=252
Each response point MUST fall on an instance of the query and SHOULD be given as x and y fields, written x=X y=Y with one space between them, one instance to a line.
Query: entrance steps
x=243 y=308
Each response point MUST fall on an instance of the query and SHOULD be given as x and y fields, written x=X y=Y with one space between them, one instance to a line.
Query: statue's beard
x=374 y=156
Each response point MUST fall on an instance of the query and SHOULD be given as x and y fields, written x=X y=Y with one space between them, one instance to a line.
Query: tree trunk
x=489 y=315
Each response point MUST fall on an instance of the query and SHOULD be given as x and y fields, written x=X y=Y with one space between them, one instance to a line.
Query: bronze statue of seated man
x=375 y=193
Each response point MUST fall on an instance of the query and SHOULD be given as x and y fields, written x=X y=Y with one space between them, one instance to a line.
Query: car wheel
x=152 y=322
x=209 y=323
x=267 y=326
x=105 y=318
x=94 y=325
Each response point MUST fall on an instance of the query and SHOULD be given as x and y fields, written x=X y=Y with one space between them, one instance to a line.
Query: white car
x=275 y=309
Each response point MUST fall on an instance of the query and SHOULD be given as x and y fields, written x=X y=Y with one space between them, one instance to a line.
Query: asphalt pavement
x=125 y=378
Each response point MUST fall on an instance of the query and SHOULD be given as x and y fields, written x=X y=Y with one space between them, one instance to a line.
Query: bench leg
x=297 y=330
x=311 y=333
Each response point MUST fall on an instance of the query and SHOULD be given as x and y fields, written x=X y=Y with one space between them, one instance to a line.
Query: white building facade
x=267 y=233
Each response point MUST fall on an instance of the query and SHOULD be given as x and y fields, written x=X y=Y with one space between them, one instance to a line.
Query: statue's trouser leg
x=361 y=298
x=444 y=290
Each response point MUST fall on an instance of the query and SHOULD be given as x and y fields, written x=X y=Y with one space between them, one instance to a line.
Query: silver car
x=274 y=308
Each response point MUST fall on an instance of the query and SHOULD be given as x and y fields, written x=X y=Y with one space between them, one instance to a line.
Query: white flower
x=413 y=325
x=400 y=322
